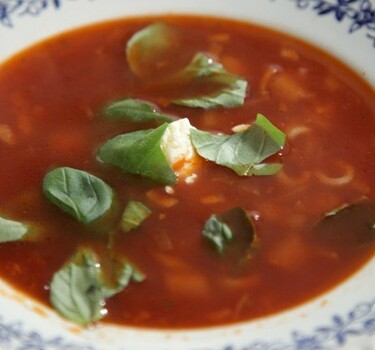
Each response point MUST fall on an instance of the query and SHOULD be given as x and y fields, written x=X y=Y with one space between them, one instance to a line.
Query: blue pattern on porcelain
x=360 y=13
x=12 y=8
x=359 y=321
x=334 y=334
x=15 y=336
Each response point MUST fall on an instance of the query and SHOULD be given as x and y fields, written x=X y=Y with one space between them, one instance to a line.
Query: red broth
x=50 y=101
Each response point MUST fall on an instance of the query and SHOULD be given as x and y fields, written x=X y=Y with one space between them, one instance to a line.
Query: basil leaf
x=12 y=230
x=335 y=211
x=148 y=47
x=217 y=232
x=244 y=151
x=134 y=111
x=230 y=90
x=80 y=194
x=275 y=138
x=134 y=214
x=348 y=227
x=75 y=290
x=139 y=153
x=231 y=232
x=126 y=273
x=265 y=169
x=78 y=291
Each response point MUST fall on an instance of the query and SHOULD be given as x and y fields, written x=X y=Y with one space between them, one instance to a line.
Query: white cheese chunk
x=178 y=148
x=176 y=143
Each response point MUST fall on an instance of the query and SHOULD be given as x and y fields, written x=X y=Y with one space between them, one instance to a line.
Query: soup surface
x=311 y=222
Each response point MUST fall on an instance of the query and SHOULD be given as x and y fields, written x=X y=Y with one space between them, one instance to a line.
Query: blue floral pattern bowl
x=344 y=318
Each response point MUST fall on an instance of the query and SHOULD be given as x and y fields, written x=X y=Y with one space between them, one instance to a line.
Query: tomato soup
x=300 y=230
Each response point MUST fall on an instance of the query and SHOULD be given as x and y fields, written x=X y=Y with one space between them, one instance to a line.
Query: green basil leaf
x=230 y=89
x=139 y=153
x=12 y=230
x=275 y=138
x=348 y=226
x=126 y=273
x=217 y=232
x=78 y=291
x=75 y=290
x=264 y=169
x=82 y=195
x=135 y=111
x=134 y=214
x=335 y=211
x=148 y=47
x=244 y=151
x=231 y=232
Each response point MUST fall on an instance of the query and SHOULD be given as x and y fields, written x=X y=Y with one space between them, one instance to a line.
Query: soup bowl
x=341 y=318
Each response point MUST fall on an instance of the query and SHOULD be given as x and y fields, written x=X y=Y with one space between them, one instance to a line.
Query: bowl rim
x=60 y=11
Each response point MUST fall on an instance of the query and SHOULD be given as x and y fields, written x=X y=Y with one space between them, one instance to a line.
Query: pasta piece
x=270 y=72
x=289 y=54
x=287 y=88
x=346 y=177
x=161 y=198
x=297 y=131
x=7 y=135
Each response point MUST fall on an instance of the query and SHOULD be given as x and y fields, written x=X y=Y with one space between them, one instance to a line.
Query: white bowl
x=344 y=318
